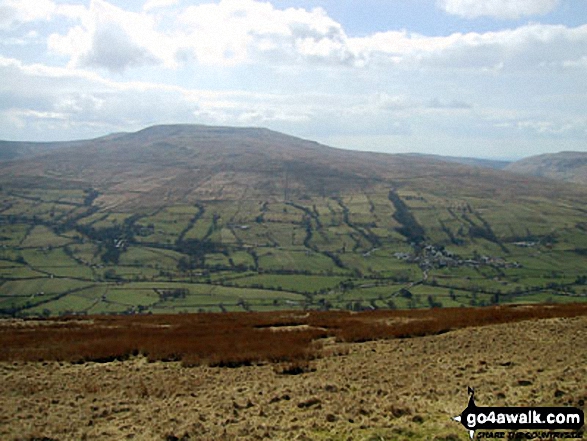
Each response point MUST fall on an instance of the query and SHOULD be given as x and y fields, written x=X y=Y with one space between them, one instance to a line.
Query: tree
x=112 y=255
x=405 y=293
x=433 y=303
x=110 y=274
x=184 y=264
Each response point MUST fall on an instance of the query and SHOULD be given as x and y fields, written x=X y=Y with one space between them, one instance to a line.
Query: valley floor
x=402 y=389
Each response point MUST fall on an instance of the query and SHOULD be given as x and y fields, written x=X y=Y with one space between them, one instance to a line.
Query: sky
x=492 y=79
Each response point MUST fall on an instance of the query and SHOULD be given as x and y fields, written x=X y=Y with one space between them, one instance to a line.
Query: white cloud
x=436 y=103
x=554 y=127
x=504 y=9
x=156 y=4
x=236 y=31
x=244 y=32
x=34 y=94
x=525 y=48
x=22 y=11
x=112 y=38
x=580 y=62
x=40 y=102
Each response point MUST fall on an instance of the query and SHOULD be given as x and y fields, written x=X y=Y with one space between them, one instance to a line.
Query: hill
x=10 y=150
x=164 y=164
x=564 y=166
x=197 y=218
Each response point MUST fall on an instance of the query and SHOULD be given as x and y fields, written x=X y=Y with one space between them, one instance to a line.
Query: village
x=431 y=256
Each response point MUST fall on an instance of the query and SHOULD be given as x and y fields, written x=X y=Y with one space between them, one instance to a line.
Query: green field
x=350 y=251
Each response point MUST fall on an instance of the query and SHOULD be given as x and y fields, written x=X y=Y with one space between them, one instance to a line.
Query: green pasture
x=335 y=238
x=283 y=213
x=111 y=220
x=93 y=218
x=196 y=296
x=285 y=235
x=242 y=258
x=132 y=297
x=86 y=252
x=368 y=290
x=200 y=229
x=19 y=272
x=548 y=297
x=148 y=257
x=276 y=259
x=217 y=260
x=25 y=303
x=13 y=235
x=42 y=237
x=103 y=307
x=46 y=285
x=295 y=283
x=70 y=303
x=94 y=292
x=57 y=263
x=382 y=264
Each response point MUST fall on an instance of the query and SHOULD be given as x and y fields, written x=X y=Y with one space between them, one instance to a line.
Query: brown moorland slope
x=235 y=339
x=398 y=389
x=162 y=165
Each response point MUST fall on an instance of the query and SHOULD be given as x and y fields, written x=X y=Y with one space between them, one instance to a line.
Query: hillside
x=398 y=389
x=185 y=163
x=10 y=150
x=564 y=166
x=196 y=218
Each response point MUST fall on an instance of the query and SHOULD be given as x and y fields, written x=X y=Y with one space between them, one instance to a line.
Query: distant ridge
x=476 y=162
x=24 y=149
x=16 y=149
x=563 y=166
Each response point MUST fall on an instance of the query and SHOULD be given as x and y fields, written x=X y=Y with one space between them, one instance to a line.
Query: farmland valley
x=187 y=218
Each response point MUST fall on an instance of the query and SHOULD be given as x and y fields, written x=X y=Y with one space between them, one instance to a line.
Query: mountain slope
x=189 y=218
x=10 y=150
x=564 y=166
x=164 y=164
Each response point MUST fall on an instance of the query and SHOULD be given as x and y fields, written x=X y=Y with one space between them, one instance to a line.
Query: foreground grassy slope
x=188 y=218
x=400 y=389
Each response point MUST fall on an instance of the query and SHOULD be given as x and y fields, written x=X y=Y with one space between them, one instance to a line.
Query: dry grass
x=240 y=339
x=400 y=389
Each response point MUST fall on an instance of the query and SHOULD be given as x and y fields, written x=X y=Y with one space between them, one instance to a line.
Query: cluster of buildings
x=431 y=256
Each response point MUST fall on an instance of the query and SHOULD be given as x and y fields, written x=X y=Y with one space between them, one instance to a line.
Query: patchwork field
x=322 y=253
